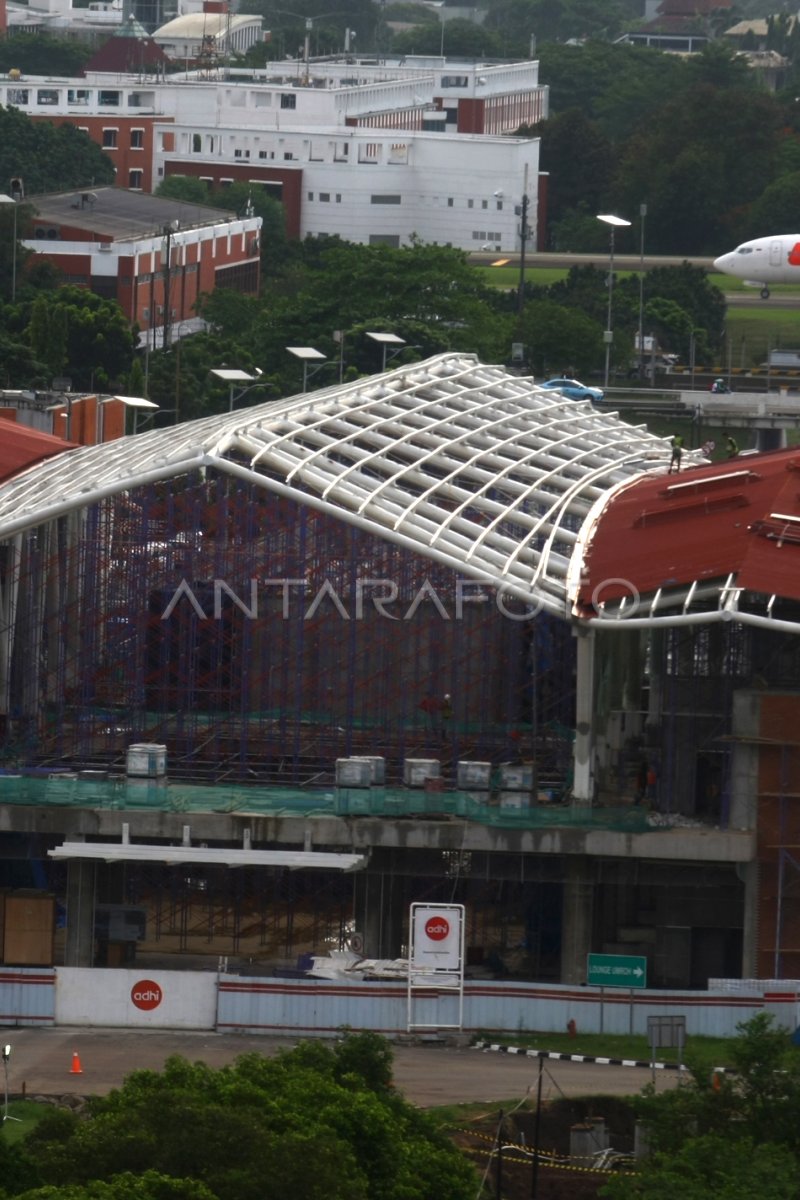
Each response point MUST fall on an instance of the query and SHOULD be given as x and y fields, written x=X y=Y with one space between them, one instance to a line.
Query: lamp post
x=386 y=340
x=232 y=376
x=307 y=354
x=10 y=200
x=136 y=403
x=6 y=1057
x=642 y=215
x=613 y=223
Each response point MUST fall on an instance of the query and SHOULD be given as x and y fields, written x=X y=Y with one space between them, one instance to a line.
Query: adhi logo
x=146 y=994
x=437 y=928
x=794 y=255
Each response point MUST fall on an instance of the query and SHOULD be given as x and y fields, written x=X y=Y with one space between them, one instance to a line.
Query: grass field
x=25 y=1114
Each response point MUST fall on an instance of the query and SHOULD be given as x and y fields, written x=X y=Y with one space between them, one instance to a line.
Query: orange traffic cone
x=76 y=1068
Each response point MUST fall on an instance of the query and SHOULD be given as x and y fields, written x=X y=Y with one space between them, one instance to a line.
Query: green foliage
x=188 y=188
x=458 y=37
x=87 y=337
x=316 y=1122
x=560 y=339
x=736 y=1140
x=41 y=54
x=712 y=1168
x=50 y=158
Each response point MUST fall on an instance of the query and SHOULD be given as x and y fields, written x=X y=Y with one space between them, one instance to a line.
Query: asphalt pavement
x=428 y=1073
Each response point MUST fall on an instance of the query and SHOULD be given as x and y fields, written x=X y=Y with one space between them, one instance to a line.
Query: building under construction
x=464 y=629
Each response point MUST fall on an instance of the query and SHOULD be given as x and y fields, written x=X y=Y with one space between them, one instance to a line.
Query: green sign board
x=616 y=970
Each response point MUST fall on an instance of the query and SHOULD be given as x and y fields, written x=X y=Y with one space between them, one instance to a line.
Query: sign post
x=436 y=957
x=616 y=970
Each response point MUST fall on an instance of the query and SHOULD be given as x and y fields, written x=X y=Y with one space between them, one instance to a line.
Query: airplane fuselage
x=762 y=261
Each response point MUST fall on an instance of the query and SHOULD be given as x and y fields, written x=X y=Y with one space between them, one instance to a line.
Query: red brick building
x=153 y=255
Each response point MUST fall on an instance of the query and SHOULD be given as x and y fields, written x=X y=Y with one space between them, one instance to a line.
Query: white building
x=374 y=152
x=193 y=35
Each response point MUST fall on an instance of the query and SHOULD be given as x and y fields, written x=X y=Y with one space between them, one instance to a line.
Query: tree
x=188 y=188
x=41 y=54
x=736 y=1138
x=92 y=339
x=560 y=339
x=712 y=1168
x=318 y=1122
x=48 y=157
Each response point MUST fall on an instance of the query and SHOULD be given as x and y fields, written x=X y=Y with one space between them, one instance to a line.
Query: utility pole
x=524 y=232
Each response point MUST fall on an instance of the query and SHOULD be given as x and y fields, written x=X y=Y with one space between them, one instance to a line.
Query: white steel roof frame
x=407 y=456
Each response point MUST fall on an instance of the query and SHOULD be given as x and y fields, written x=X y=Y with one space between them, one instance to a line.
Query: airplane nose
x=721 y=263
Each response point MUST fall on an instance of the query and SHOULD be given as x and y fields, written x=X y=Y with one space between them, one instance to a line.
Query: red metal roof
x=21 y=447
x=740 y=517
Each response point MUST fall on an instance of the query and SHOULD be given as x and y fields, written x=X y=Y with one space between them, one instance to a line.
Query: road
x=427 y=1074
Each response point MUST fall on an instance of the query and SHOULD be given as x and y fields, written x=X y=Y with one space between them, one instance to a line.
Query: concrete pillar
x=380 y=912
x=583 y=782
x=576 y=919
x=748 y=873
x=655 y=701
x=81 y=883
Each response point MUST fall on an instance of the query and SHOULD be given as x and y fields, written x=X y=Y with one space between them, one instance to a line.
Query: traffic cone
x=76 y=1068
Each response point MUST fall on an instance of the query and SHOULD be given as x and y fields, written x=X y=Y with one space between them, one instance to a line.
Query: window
x=17 y=95
x=167 y=141
x=197 y=143
x=470 y=204
x=325 y=197
x=288 y=101
x=287 y=156
x=338 y=197
x=266 y=154
x=135 y=180
x=499 y=205
x=78 y=96
x=311 y=195
x=137 y=139
x=385 y=198
x=109 y=99
x=48 y=96
x=385 y=239
x=454 y=81
x=484 y=203
x=110 y=139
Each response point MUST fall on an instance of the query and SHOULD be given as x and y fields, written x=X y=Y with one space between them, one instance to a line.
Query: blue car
x=573 y=390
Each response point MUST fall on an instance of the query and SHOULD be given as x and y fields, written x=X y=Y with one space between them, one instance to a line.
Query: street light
x=10 y=200
x=232 y=376
x=386 y=340
x=6 y=1057
x=307 y=354
x=613 y=223
x=136 y=403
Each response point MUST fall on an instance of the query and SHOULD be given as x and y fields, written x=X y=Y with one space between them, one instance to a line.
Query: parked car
x=574 y=390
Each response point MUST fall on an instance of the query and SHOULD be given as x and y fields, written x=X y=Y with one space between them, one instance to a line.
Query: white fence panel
x=27 y=995
x=130 y=999
x=309 y=1006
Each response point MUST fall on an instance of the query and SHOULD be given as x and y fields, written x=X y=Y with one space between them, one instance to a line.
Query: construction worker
x=731 y=447
x=677 y=453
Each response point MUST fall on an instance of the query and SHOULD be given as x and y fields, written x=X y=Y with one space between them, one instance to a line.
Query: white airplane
x=762 y=261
